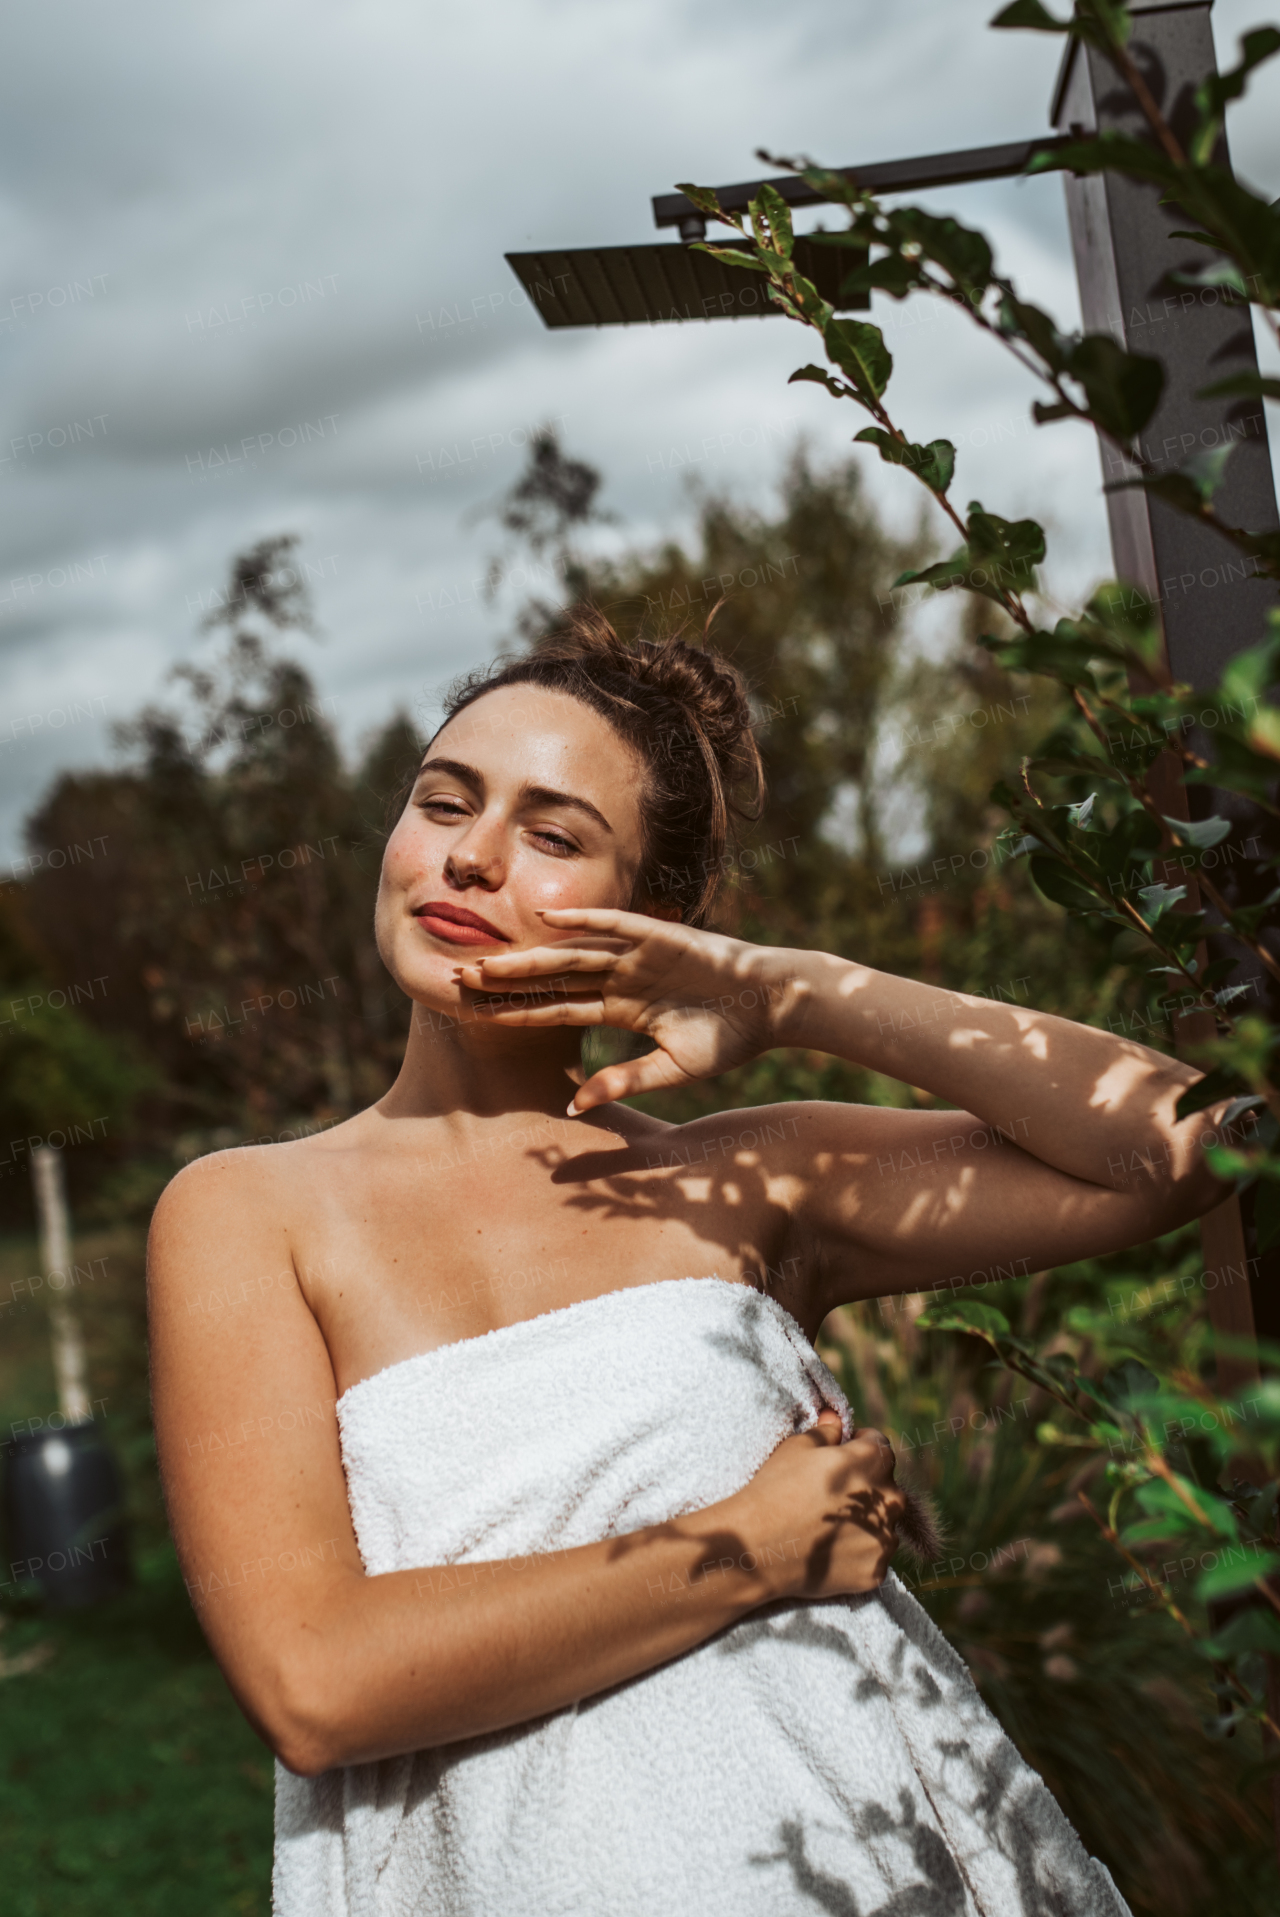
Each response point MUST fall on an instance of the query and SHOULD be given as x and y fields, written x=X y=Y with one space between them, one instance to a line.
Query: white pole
x=55 y=1260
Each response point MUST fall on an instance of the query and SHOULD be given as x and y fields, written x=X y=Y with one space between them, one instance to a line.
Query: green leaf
x=731 y=255
x=1224 y=1580
x=1101 y=23
x=1202 y=833
x=934 y=463
x=1121 y=621
x=1122 y=389
x=1206 y=470
x=983 y=1321
x=1157 y=899
x=1176 y=1525
x=893 y=275
x=858 y=349
x=1190 y=233
x=1058 y=882
x=1000 y=558
x=1029 y=13
x=1054 y=655
x=1215 y=273
x=1216 y=89
x=771 y=210
x=1162 y=1500
x=1017 y=319
x=703 y=197
x=1018 y=542
x=1248 y=385
x=821 y=377
x=1127 y=1382
x=1249 y=1630
x=1110 y=152
x=961 y=252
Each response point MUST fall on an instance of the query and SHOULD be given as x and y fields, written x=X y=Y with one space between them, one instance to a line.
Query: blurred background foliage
x=199 y=972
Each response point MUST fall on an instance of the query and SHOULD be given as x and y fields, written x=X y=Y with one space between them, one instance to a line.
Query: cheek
x=565 y=882
x=409 y=855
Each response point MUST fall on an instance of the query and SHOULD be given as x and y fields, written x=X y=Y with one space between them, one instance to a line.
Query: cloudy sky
x=252 y=281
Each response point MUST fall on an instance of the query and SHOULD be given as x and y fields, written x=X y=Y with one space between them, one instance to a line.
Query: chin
x=428 y=980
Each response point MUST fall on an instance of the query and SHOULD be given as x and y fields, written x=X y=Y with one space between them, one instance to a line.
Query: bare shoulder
x=226 y=1193
x=242 y=1188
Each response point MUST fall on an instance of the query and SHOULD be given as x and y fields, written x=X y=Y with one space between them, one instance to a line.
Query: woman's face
x=527 y=799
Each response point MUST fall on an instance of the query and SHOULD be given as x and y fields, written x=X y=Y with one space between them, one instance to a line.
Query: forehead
x=536 y=735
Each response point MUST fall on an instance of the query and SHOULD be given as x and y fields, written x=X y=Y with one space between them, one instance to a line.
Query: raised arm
x=1065 y=1142
x=335 y=1667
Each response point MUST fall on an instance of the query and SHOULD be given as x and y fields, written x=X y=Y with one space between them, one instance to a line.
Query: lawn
x=130 y=1785
x=129 y=1781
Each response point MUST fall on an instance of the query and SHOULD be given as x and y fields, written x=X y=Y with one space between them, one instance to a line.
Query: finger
x=531 y=991
x=531 y=964
x=828 y=1429
x=540 y=1009
x=873 y=1455
x=603 y=918
x=655 y=1072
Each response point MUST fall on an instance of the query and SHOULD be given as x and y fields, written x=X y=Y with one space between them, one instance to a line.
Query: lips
x=456 y=926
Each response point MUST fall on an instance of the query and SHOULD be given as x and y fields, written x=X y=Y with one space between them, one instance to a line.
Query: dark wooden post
x=1211 y=604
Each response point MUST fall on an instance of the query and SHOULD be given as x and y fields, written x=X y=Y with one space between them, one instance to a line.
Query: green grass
x=129 y=1781
x=130 y=1785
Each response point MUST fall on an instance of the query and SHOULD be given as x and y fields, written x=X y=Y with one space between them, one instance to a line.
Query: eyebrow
x=529 y=794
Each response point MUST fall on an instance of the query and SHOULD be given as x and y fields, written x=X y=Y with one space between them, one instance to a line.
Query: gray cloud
x=275 y=235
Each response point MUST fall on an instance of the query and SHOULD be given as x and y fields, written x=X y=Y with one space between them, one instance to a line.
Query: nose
x=478 y=854
x=473 y=863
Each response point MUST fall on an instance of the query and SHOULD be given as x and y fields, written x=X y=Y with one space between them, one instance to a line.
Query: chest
x=405 y=1259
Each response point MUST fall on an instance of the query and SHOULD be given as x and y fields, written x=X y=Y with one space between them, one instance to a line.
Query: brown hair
x=684 y=710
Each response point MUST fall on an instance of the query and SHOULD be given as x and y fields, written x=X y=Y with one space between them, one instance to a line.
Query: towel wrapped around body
x=828 y=1756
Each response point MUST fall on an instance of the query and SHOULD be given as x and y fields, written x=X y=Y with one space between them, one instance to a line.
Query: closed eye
x=554 y=843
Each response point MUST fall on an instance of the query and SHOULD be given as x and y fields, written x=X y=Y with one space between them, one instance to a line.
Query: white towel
x=829 y=1756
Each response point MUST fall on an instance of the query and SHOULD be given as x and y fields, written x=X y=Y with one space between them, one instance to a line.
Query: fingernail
x=572 y=1108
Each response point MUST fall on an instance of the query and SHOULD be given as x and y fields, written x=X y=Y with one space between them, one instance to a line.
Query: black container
x=63 y=1517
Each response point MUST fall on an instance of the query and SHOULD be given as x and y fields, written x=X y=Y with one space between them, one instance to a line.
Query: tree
x=232 y=899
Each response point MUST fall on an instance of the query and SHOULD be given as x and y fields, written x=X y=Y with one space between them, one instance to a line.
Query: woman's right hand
x=824 y=1514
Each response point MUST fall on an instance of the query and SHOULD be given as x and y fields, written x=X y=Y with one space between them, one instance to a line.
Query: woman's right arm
x=332 y=1666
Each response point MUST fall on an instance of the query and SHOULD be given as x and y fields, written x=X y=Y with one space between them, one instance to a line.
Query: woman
x=600 y=1617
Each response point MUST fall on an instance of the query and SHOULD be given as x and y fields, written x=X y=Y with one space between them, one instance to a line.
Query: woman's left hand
x=708 y=1002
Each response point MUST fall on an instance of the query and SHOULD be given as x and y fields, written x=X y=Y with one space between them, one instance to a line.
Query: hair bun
x=685 y=710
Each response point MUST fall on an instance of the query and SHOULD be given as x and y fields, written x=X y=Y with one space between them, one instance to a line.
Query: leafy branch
x=1088 y=811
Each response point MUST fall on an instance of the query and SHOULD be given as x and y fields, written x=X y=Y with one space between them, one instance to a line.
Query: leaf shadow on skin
x=737 y=1217
x=911 y=1194
x=608 y=1186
